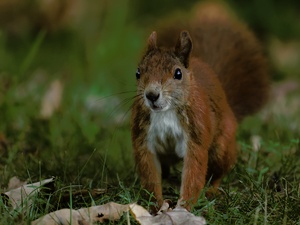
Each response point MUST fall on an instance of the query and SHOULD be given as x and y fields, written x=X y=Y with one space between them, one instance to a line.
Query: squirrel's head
x=163 y=77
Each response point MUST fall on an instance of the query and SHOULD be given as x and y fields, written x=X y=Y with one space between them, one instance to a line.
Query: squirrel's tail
x=230 y=49
x=235 y=55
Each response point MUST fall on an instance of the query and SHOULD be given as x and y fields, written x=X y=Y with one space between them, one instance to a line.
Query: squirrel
x=191 y=94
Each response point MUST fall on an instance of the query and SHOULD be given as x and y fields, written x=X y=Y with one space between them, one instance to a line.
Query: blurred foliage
x=267 y=17
x=92 y=65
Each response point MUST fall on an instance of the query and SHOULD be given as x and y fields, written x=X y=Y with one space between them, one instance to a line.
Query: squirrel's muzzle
x=152 y=96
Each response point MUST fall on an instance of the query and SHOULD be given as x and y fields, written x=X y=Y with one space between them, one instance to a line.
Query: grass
x=86 y=143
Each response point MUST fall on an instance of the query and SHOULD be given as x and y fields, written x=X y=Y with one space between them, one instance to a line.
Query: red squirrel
x=191 y=94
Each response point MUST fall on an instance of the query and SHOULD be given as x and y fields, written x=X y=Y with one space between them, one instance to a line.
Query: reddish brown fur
x=230 y=49
x=224 y=79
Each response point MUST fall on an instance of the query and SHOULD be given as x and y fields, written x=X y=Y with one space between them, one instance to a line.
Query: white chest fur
x=166 y=135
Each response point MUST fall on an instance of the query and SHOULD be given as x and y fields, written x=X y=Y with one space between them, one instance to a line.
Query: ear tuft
x=184 y=47
x=152 y=41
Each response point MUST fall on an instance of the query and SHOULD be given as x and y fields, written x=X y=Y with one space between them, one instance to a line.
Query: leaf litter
x=21 y=194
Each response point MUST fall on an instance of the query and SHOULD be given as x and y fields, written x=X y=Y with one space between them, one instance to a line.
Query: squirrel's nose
x=152 y=96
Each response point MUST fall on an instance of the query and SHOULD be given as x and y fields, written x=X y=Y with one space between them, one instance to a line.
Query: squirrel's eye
x=178 y=74
x=138 y=73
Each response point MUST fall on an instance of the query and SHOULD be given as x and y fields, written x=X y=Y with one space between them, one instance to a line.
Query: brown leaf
x=138 y=211
x=178 y=216
x=110 y=211
x=256 y=142
x=22 y=196
x=62 y=217
x=113 y=211
x=52 y=99
x=15 y=182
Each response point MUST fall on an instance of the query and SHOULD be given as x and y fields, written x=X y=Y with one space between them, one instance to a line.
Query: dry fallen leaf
x=52 y=99
x=22 y=196
x=62 y=217
x=138 y=211
x=284 y=103
x=256 y=142
x=113 y=211
x=14 y=183
x=110 y=211
x=178 y=216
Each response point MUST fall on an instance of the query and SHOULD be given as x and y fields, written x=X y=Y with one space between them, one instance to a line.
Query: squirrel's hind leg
x=222 y=158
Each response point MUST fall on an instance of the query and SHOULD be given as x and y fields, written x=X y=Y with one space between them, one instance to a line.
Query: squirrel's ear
x=152 y=41
x=183 y=48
